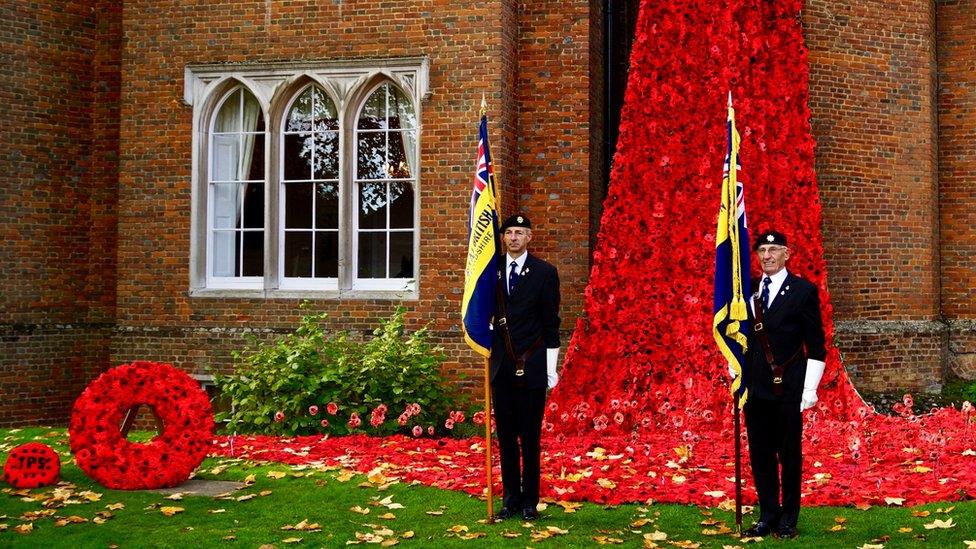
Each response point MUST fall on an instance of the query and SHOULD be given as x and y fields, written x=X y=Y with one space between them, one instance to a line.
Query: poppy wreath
x=104 y=453
x=31 y=465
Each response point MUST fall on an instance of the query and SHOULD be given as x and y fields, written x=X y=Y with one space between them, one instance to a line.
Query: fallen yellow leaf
x=175 y=496
x=276 y=475
x=360 y=510
x=894 y=501
x=73 y=519
x=606 y=483
x=606 y=540
x=291 y=540
x=170 y=511
x=115 y=506
x=836 y=528
x=387 y=516
x=656 y=535
x=640 y=523
x=249 y=479
x=24 y=528
x=458 y=528
x=940 y=524
x=569 y=506
x=408 y=534
x=246 y=497
x=715 y=494
x=905 y=530
x=921 y=514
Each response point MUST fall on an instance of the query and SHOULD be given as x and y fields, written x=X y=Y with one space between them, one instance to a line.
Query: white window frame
x=276 y=85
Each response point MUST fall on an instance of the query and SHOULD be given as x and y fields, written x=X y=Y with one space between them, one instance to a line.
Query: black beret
x=770 y=237
x=516 y=221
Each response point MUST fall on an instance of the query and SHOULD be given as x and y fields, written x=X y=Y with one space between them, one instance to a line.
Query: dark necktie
x=512 y=278
x=764 y=295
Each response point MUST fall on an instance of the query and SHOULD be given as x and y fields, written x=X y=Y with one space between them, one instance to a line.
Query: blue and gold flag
x=480 y=270
x=730 y=325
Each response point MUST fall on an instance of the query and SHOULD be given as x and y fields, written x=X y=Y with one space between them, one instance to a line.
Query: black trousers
x=774 y=428
x=518 y=421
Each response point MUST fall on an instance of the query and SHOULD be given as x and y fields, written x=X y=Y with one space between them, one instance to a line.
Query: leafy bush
x=310 y=382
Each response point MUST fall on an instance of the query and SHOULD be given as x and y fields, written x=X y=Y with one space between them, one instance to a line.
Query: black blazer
x=793 y=323
x=533 y=312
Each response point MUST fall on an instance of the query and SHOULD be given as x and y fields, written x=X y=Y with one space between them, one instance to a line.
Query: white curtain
x=233 y=151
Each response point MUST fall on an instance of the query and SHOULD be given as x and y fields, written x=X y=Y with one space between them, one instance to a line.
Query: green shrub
x=276 y=385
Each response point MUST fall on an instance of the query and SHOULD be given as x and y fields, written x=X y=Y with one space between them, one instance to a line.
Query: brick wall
x=58 y=100
x=872 y=90
x=554 y=159
x=957 y=178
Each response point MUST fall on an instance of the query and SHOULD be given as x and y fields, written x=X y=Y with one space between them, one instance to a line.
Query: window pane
x=226 y=209
x=373 y=115
x=324 y=111
x=229 y=115
x=371 y=161
x=401 y=255
x=298 y=205
x=252 y=114
x=224 y=253
x=253 y=157
x=327 y=254
x=372 y=206
x=372 y=255
x=401 y=110
x=224 y=155
x=298 y=157
x=253 y=253
x=401 y=205
x=298 y=254
x=401 y=155
x=300 y=115
x=253 y=205
x=326 y=156
x=327 y=206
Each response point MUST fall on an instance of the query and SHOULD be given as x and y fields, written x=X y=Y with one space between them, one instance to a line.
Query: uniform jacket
x=533 y=312
x=793 y=323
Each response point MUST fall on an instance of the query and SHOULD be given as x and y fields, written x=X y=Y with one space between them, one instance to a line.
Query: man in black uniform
x=523 y=367
x=785 y=362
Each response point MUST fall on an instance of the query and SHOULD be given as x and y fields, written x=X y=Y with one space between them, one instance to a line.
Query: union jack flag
x=730 y=326
x=481 y=271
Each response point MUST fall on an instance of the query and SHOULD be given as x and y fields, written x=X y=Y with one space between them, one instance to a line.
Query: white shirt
x=520 y=266
x=775 y=283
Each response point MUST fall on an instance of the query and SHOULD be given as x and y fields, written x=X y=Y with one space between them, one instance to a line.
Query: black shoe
x=529 y=513
x=760 y=529
x=505 y=513
x=787 y=532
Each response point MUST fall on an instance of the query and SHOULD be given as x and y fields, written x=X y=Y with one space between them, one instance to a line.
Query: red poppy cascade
x=104 y=453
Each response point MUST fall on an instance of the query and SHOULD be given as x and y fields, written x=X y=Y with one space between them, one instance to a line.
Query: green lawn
x=408 y=515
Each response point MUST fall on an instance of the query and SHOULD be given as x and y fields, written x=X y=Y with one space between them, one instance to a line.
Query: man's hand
x=552 y=360
x=815 y=370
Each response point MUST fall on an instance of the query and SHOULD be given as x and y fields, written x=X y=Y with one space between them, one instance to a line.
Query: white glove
x=815 y=370
x=732 y=372
x=552 y=360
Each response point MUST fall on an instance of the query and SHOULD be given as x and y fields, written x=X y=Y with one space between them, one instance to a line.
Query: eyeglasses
x=770 y=249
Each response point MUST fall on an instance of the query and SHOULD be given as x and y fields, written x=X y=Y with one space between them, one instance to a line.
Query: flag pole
x=488 y=480
x=491 y=512
x=738 y=465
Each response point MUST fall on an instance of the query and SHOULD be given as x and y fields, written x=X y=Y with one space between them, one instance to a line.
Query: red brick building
x=177 y=174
